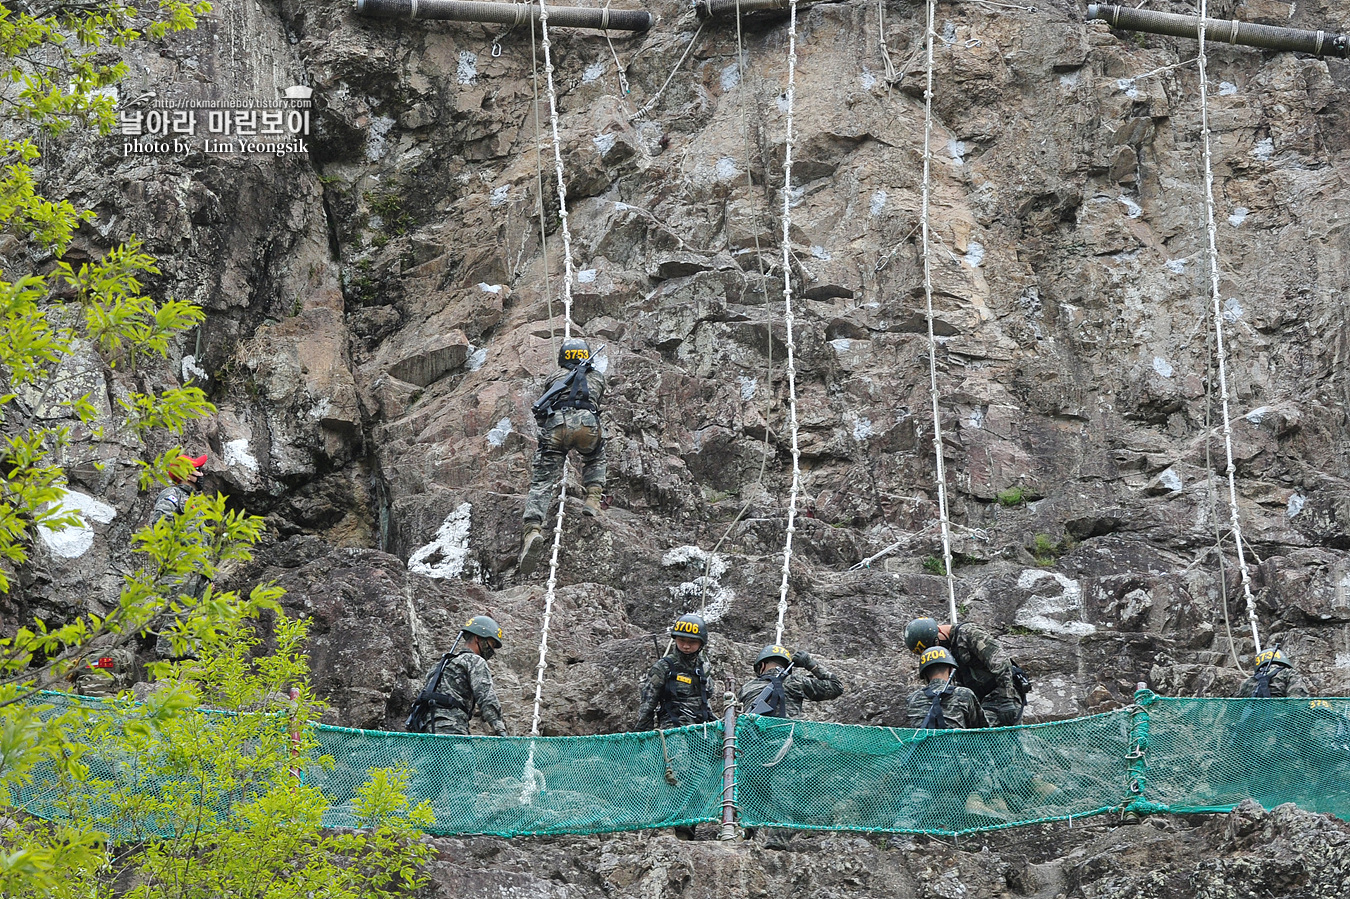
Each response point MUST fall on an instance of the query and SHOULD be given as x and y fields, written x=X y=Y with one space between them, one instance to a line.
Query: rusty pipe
x=506 y=13
x=1267 y=37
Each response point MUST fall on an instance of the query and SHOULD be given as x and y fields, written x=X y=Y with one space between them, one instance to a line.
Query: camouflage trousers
x=570 y=429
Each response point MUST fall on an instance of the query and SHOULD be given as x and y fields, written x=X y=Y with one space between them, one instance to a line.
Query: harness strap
x=935 y=720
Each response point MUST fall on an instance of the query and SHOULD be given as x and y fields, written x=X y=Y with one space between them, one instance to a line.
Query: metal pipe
x=505 y=13
x=708 y=9
x=728 y=831
x=1267 y=37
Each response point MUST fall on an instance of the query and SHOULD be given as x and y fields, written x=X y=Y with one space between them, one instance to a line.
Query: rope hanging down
x=932 y=340
x=787 y=318
x=1218 y=338
x=567 y=332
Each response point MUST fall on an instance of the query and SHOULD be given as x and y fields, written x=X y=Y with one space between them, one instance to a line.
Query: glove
x=802 y=659
x=1007 y=713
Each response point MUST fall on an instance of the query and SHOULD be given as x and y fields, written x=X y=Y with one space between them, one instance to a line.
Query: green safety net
x=1159 y=755
x=846 y=777
x=513 y=786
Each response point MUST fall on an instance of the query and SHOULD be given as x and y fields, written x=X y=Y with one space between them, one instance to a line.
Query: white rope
x=787 y=318
x=647 y=107
x=567 y=332
x=1218 y=337
x=932 y=340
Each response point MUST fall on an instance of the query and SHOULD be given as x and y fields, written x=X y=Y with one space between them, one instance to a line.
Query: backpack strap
x=1262 y=677
x=771 y=700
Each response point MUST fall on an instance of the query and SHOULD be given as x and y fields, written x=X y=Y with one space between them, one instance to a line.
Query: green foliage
x=1013 y=496
x=933 y=565
x=387 y=205
x=112 y=776
x=1046 y=549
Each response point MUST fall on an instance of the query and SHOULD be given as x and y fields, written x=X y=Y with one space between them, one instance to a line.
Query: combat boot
x=593 y=494
x=531 y=548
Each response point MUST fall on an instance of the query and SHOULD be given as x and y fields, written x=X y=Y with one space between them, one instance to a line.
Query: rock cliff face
x=382 y=312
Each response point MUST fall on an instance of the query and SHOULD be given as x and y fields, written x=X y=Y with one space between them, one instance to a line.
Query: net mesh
x=1159 y=755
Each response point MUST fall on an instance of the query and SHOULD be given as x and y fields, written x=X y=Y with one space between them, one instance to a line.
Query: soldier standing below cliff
x=783 y=681
x=675 y=692
x=1275 y=677
x=568 y=416
x=461 y=685
x=981 y=665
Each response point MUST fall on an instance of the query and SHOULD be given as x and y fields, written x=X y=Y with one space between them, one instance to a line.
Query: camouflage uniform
x=1284 y=682
x=984 y=668
x=561 y=432
x=170 y=501
x=817 y=686
x=105 y=673
x=675 y=693
x=960 y=710
x=467 y=678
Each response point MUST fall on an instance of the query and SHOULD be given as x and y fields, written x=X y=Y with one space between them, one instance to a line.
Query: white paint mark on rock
x=586 y=276
x=497 y=436
x=1128 y=86
x=593 y=71
x=1239 y=216
x=711 y=569
x=878 y=203
x=604 y=142
x=975 y=420
x=445 y=555
x=841 y=345
x=957 y=150
x=818 y=252
x=862 y=429
x=1342 y=660
x=237 y=455
x=1257 y=415
x=748 y=387
x=1296 y=503
x=869 y=80
x=489 y=288
x=376 y=138
x=1047 y=611
x=1170 y=479
x=1232 y=309
x=1162 y=366
x=467 y=70
x=782 y=103
x=1132 y=209
x=726 y=169
x=1070 y=79
x=974 y=254
x=191 y=369
x=476 y=359
x=1264 y=149
x=499 y=195
x=76 y=540
x=1175 y=266
x=1227 y=88
x=731 y=76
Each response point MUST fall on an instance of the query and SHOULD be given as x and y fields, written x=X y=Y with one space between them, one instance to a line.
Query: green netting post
x=1138 y=757
x=728 y=831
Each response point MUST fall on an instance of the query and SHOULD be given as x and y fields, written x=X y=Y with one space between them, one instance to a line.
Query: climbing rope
x=1219 y=353
x=647 y=107
x=567 y=332
x=932 y=340
x=788 y=321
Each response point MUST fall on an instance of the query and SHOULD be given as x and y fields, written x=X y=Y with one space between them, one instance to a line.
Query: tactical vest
x=667 y=711
x=571 y=392
x=422 y=715
x=1262 y=676
x=772 y=702
x=935 y=720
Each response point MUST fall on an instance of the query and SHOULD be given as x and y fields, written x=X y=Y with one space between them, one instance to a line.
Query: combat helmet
x=1273 y=656
x=773 y=651
x=573 y=352
x=483 y=626
x=938 y=655
x=921 y=634
x=692 y=626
